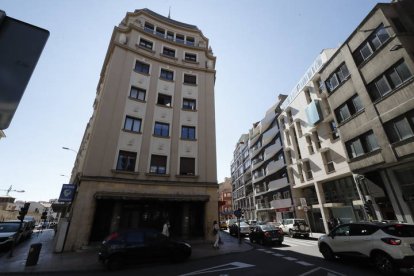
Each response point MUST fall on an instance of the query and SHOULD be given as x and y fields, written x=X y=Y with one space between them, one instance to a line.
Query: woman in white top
x=216 y=231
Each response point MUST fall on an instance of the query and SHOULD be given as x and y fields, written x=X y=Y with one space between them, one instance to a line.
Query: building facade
x=241 y=179
x=369 y=86
x=148 y=153
x=225 y=200
x=270 y=180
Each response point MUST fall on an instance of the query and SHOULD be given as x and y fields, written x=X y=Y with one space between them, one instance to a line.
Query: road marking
x=278 y=255
x=328 y=272
x=229 y=266
x=304 y=263
x=290 y=258
x=268 y=251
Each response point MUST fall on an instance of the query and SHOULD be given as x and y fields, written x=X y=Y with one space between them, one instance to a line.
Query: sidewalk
x=87 y=260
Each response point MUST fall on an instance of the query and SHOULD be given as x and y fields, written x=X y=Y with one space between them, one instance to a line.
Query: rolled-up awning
x=141 y=196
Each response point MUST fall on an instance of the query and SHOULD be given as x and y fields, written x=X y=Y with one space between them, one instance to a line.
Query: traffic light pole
x=22 y=213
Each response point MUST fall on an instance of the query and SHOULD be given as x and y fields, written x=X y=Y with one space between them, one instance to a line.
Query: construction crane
x=10 y=189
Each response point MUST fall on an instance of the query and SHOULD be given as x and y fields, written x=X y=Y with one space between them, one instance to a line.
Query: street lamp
x=66 y=148
x=64 y=175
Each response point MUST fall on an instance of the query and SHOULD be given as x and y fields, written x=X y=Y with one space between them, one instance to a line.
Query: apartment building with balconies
x=148 y=153
x=369 y=86
x=241 y=178
x=323 y=187
x=269 y=177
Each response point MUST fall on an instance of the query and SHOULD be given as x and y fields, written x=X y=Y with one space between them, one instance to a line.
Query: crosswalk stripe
x=290 y=258
x=299 y=243
x=304 y=263
x=278 y=255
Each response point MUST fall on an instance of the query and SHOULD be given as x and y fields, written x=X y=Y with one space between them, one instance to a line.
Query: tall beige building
x=369 y=86
x=149 y=150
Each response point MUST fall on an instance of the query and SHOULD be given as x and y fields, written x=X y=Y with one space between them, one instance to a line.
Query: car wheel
x=114 y=262
x=327 y=252
x=251 y=239
x=278 y=243
x=384 y=264
x=291 y=233
x=306 y=236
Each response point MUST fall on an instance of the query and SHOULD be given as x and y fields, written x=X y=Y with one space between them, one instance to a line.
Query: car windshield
x=400 y=230
x=268 y=227
x=243 y=224
x=8 y=227
x=300 y=221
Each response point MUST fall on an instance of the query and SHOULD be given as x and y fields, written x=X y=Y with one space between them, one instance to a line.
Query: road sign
x=238 y=213
x=67 y=193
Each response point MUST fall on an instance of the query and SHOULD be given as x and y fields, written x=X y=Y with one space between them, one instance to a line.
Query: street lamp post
x=66 y=148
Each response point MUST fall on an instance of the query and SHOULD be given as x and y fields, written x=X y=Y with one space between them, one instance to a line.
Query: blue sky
x=262 y=47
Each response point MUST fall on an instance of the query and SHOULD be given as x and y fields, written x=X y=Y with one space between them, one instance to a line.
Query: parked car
x=30 y=221
x=266 y=234
x=244 y=229
x=26 y=229
x=389 y=246
x=9 y=233
x=135 y=245
x=223 y=225
x=295 y=227
x=230 y=222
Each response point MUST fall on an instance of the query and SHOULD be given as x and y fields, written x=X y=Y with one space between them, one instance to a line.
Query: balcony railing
x=278 y=184
x=269 y=135
x=265 y=205
x=274 y=166
x=281 y=203
x=272 y=150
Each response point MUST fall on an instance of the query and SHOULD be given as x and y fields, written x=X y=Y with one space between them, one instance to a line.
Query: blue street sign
x=67 y=193
x=238 y=213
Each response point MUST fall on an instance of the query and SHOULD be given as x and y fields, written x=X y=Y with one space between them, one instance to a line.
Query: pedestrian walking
x=216 y=233
x=166 y=229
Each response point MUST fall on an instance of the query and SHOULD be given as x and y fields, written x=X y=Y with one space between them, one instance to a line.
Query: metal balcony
x=272 y=150
x=281 y=203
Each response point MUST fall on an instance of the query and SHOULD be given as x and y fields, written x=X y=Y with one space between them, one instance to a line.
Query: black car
x=135 y=245
x=266 y=234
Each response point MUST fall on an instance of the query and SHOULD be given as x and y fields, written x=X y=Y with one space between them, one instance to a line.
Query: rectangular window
x=179 y=38
x=189 y=104
x=164 y=100
x=190 y=79
x=160 y=32
x=391 y=79
x=349 y=108
x=299 y=127
x=190 y=57
x=187 y=166
x=137 y=93
x=400 y=128
x=161 y=129
x=188 y=133
x=329 y=164
x=361 y=145
x=148 y=27
x=334 y=130
x=132 y=124
x=141 y=67
x=310 y=146
x=339 y=76
x=170 y=35
x=371 y=44
x=190 y=41
x=158 y=164
x=308 y=171
x=167 y=75
x=145 y=43
x=168 y=52
x=126 y=161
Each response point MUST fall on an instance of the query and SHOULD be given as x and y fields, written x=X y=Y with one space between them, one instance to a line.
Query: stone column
x=321 y=199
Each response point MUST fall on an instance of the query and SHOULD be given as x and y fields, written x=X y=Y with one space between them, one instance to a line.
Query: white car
x=295 y=227
x=389 y=246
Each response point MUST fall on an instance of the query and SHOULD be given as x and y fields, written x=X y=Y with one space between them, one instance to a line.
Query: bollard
x=34 y=253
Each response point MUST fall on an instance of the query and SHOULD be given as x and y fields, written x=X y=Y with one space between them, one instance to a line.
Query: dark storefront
x=186 y=217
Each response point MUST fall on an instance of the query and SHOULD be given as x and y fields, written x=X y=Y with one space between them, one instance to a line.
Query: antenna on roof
x=169 y=13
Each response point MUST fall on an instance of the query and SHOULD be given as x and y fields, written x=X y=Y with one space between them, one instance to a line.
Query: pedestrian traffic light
x=368 y=210
x=23 y=211
x=44 y=215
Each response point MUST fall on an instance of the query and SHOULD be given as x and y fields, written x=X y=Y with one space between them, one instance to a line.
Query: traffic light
x=44 y=216
x=368 y=210
x=23 y=211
